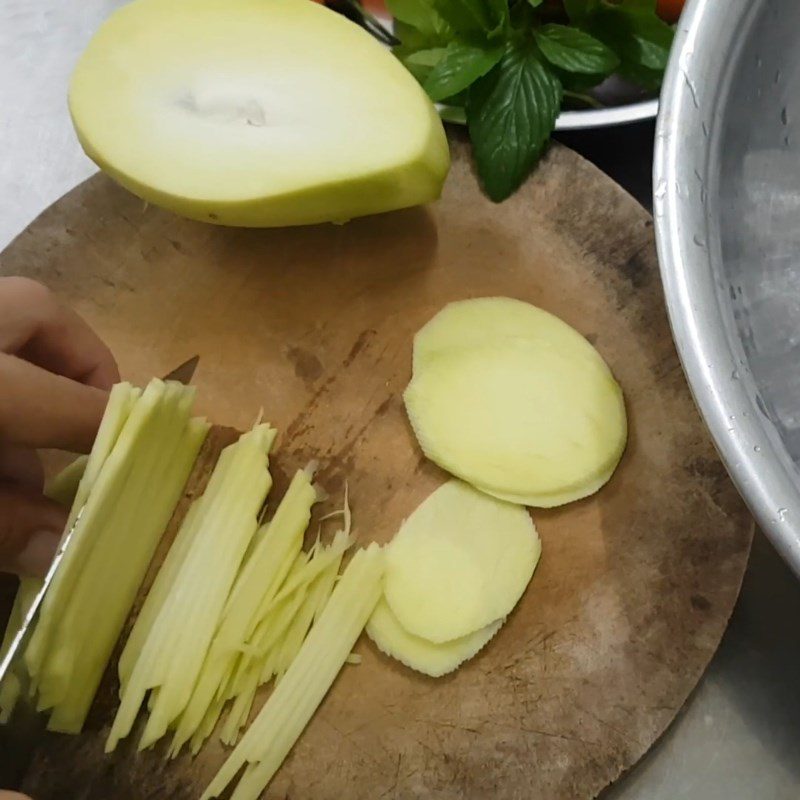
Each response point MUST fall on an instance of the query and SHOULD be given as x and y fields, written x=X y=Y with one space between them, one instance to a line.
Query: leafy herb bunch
x=505 y=66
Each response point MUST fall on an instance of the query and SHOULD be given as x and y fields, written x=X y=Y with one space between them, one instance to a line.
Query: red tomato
x=669 y=10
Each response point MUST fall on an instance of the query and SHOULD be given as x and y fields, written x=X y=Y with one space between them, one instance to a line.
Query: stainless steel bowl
x=727 y=213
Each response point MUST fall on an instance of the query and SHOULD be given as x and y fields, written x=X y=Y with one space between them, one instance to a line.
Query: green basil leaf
x=640 y=39
x=460 y=67
x=651 y=55
x=641 y=76
x=420 y=63
x=411 y=39
x=574 y=50
x=426 y=58
x=499 y=12
x=459 y=99
x=645 y=6
x=653 y=38
x=535 y=3
x=419 y=14
x=455 y=114
x=579 y=82
x=474 y=19
x=511 y=112
x=578 y=11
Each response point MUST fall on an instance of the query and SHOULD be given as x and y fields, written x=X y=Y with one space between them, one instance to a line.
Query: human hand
x=13 y=796
x=55 y=374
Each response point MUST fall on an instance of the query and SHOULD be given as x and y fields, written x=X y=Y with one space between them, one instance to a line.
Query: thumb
x=13 y=796
x=30 y=530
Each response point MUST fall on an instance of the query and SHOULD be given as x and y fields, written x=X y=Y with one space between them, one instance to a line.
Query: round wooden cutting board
x=636 y=584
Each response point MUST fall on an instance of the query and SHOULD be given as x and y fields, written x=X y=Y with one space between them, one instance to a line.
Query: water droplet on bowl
x=757 y=449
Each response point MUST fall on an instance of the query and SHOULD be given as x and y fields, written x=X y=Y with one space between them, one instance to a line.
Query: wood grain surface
x=635 y=585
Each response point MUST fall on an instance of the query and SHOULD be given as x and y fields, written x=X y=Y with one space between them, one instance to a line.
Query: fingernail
x=35 y=558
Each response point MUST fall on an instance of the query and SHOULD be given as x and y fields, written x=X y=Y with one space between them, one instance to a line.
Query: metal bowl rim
x=607 y=117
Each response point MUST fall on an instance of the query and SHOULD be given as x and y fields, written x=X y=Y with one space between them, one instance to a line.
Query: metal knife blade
x=25 y=726
x=185 y=372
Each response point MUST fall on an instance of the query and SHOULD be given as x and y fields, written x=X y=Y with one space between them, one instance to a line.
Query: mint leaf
x=455 y=114
x=578 y=11
x=499 y=12
x=419 y=14
x=413 y=39
x=653 y=38
x=460 y=67
x=641 y=76
x=511 y=112
x=579 y=81
x=420 y=63
x=646 y=6
x=474 y=20
x=535 y=3
x=640 y=39
x=426 y=58
x=574 y=50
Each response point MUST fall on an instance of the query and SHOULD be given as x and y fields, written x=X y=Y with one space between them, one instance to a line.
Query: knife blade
x=23 y=730
x=184 y=373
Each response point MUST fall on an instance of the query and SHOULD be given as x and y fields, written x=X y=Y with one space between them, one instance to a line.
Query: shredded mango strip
x=318 y=596
x=144 y=436
x=10 y=687
x=257 y=583
x=99 y=505
x=62 y=489
x=190 y=610
x=281 y=633
x=290 y=707
x=150 y=477
x=118 y=409
x=135 y=544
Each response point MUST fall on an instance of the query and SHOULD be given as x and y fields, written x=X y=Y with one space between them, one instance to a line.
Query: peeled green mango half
x=255 y=113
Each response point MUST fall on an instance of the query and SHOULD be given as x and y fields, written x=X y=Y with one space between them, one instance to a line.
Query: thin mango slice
x=419 y=654
x=480 y=320
x=460 y=562
x=519 y=419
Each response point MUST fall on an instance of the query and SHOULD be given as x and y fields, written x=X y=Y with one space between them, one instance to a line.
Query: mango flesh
x=511 y=399
x=459 y=563
x=255 y=113
x=419 y=654
x=480 y=320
